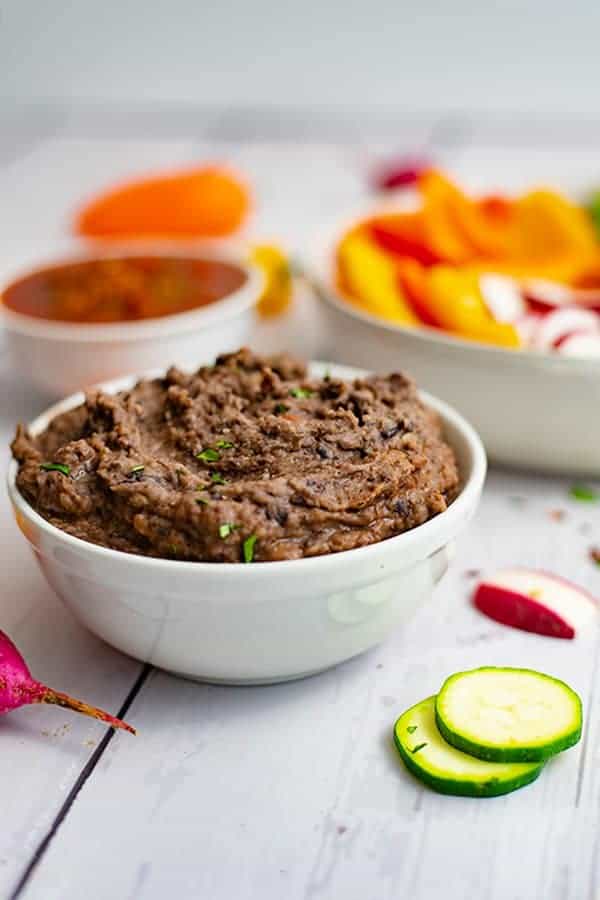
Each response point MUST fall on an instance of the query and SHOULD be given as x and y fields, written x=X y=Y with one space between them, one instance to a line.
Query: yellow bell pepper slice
x=456 y=303
x=371 y=279
x=277 y=294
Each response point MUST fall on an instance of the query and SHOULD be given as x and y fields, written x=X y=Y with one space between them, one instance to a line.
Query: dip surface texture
x=247 y=460
x=122 y=289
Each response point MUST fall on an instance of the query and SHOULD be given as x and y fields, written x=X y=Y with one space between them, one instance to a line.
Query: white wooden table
x=293 y=791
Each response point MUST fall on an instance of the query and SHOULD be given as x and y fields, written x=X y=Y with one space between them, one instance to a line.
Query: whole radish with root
x=18 y=688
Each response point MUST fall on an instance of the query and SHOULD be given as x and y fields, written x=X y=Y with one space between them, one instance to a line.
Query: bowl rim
x=229 y=306
x=320 y=271
x=427 y=533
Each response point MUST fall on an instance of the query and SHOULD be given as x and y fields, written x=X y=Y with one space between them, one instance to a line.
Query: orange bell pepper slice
x=207 y=202
x=370 y=278
x=459 y=228
x=439 y=226
x=548 y=228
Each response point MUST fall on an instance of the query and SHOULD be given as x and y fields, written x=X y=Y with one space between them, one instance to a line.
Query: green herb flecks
x=226 y=529
x=584 y=493
x=418 y=747
x=248 y=548
x=208 y=455
x=55 y=467
x=202 y=501
x=224 y=445
x=217 y=478
x=411 y=729
x=301 y=393
x=137 y=470
x=280 y=408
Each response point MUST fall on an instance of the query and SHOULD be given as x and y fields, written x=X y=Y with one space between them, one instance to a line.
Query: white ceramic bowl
x=60 y=357
x=532 y=409
x=264 y=622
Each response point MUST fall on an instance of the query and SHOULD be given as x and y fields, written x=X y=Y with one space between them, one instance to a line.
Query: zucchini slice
x=447 y=770
x=508 y=715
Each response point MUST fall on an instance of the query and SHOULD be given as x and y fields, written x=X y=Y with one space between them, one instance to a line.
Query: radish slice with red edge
x=536 y=601
x=581 y=345
x=527 y=327
x=562 y=322
x=545 y=296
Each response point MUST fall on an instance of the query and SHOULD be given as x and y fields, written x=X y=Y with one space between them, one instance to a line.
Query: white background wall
x=424 y=56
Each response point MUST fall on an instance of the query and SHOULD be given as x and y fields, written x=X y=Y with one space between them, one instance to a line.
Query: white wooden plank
x=296 y=790
x=44 y=748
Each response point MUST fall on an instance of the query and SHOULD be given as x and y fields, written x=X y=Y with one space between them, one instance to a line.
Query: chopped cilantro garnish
x=136 y=470
x=224 y=445
x=208 y=455
x=225 y=529
x=202 y=501
x=217 y=478
x=301 y=393
x=584 y=493
x=280 y=408
x=248 y=548
x=418 y=747
x=411 y=728
x=55 y=467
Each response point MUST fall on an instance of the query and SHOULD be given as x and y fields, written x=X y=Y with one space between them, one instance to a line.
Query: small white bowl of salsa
x=84 y=316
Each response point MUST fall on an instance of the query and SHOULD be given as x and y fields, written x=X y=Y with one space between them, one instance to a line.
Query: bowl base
x=257 y=682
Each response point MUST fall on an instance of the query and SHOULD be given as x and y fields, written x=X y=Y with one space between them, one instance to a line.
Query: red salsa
x=122 y=289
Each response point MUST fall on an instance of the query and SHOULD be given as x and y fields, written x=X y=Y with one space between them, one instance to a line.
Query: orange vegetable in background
x=413 y=282
x=455 y=300
x=443 y=207
x=207 y=202
x=277 y=294
x=473 y=228
x=404 y=235
x=547 y=228
x=371 y=279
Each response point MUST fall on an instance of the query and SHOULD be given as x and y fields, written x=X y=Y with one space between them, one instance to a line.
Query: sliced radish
x=580 y=344
x=536 y=601
x=562 y=322
x=527 y=327
x=502 y=296
x=545 y=296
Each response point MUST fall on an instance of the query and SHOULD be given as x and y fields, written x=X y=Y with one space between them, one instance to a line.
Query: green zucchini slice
x=447 y=770
x=508 y=715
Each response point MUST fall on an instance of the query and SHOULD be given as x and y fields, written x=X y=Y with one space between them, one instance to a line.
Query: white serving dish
x=532 y=409
x=60 y=357
x=264 y=622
